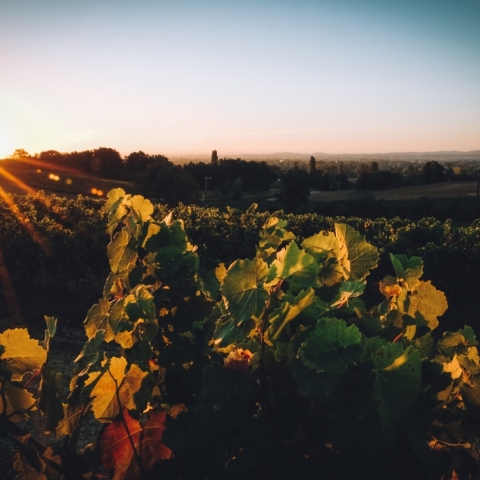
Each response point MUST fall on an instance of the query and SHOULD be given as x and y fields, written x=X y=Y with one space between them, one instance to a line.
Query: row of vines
x=284 y=360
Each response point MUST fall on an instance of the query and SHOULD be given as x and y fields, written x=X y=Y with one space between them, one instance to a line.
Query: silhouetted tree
x=432 y=172
x=294 y=190
x=214 y=159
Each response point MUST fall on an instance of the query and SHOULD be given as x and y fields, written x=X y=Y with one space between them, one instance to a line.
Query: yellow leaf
x=22 y=354
x=105 y=405
x=18 y=402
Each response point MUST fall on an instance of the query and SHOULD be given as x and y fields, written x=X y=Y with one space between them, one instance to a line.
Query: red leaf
x=116 y=448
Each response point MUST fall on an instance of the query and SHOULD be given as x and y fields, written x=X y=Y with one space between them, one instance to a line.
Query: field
x=434 y=190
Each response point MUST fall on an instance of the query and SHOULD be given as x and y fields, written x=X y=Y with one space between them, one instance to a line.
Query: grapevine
x=274 y=366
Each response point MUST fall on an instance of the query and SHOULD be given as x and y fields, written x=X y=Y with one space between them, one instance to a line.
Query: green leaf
x=429 y=302
x=91 y=353
x=398 y=381
x=120 y=254
x=139 y=304
x=22 y=354
x=310 y=383
x=228 y=332
x=332 y=347
x=452 y=344
x=356 y=256
x=243 y=289
x=347 y=292
x=295 y=266
x=324 y=248
x=408 y=269
x=97 y=319
x=281 y=316
x=272 y=236
x=50 y=331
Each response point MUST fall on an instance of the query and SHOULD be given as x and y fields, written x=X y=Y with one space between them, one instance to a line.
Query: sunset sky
x=185 y=77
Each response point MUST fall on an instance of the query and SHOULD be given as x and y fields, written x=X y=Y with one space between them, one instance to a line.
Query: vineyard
x=222 y=345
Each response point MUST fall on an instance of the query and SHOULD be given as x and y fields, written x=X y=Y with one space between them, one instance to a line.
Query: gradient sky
x=185 y=77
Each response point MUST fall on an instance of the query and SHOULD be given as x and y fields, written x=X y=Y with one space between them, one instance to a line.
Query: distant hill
x=443 y=156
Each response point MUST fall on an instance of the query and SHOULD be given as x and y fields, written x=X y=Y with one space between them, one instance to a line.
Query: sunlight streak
x=17 y=181
x=50 y=166
x=36 y=237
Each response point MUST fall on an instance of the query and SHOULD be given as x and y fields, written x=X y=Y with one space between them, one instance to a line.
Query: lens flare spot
x=39 y=171
x=68 y=181
x=100 y=193
x=94 y=191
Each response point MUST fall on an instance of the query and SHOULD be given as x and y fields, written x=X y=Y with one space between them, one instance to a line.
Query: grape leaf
x=91 y=352
x=452 y=343
x=120 y=254
x=22 y=354
x=15 y=402
x=272 y=236
x=295 y=266
x=281 y=316
x=356 y=256
x=324 y=248
x=429 y=302
x=141 y=208
x=243 y=291
x=332 y=347
x=347 y=292
x=49 y=393
x=398 y=381
x=105 y=400
x=72 y=414
x=139 y=304
x=407 y=269
x=97 y=319
x=113 y=197
x=116 y=448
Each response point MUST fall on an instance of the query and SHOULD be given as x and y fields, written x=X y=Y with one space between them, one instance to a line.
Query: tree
x=108 y=163
x=294 y=189
x=214 y=159
x=168 y=183
x=432 y=172
x=19 y=153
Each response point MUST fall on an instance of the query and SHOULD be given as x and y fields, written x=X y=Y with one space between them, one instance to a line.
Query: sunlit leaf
x=408 y=269
x=97 y=319
x=16 y=402
x=119 y=439
x=356 y=256
x=429 y=302
x=114 y=386
x=21 y=354
x=243 y=289
x=120 y=254
x=272 y=236
x=295 y=266
x=281 y=316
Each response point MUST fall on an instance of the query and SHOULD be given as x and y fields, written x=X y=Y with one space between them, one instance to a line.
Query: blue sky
x=185 y=77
